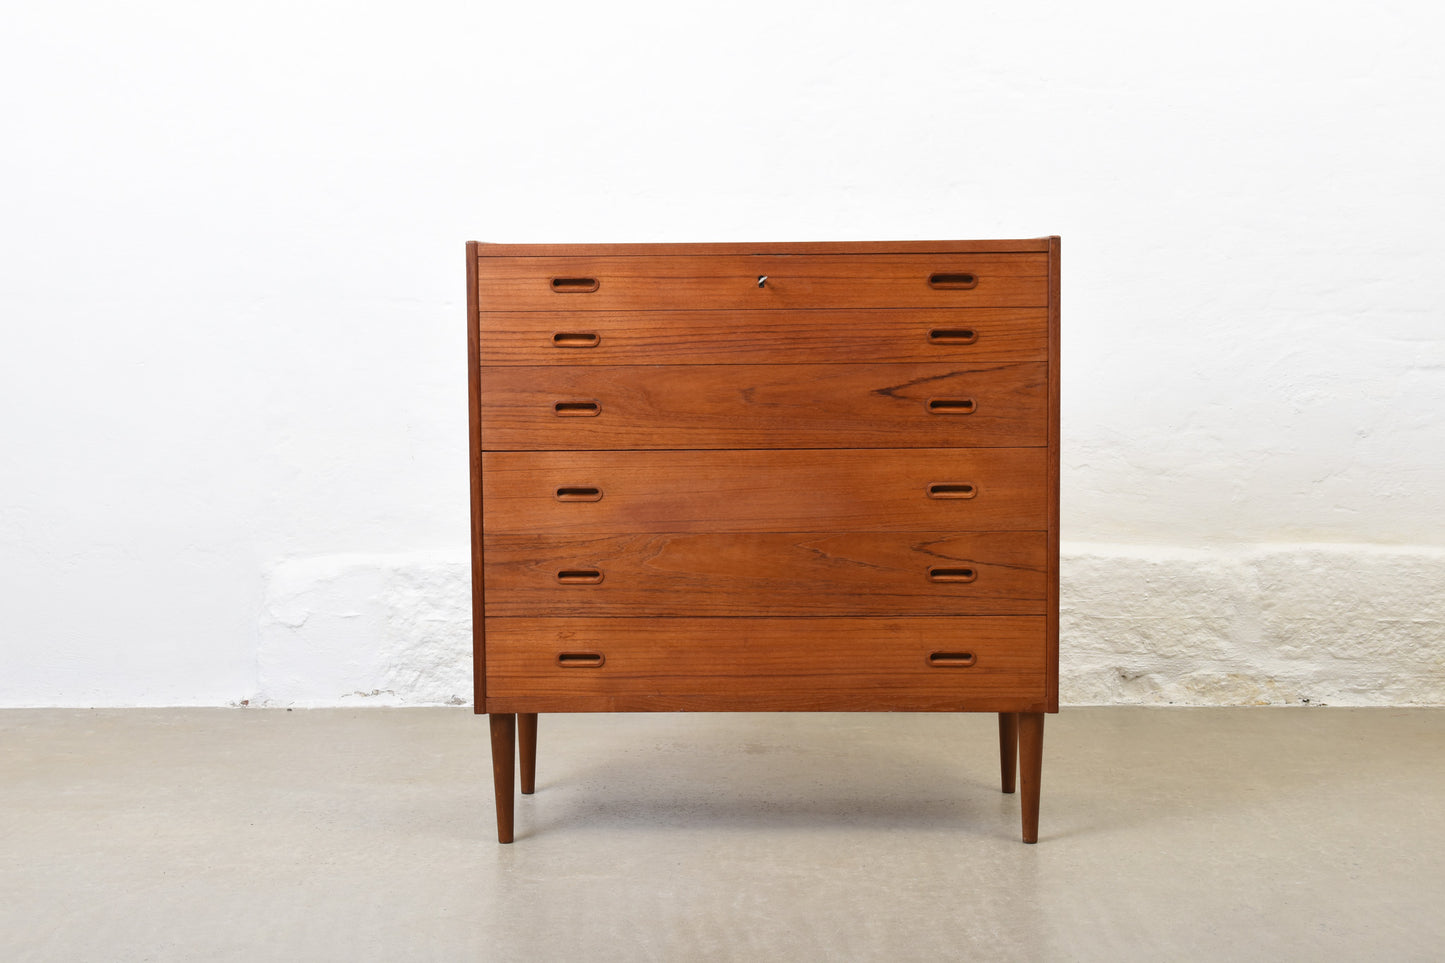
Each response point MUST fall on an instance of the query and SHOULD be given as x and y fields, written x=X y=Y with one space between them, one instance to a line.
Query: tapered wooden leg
x=504 y=738
x=1031 y=766
x=527 y=741
x=1008 y=747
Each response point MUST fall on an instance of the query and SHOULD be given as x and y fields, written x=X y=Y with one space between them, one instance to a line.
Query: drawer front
x=558 y=336
x=760 y=664
x=763 y=406
x=762 y=282
x=770 y=573
x=871 y=490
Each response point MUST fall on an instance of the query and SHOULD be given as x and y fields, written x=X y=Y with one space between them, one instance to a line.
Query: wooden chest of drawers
x=765 y=477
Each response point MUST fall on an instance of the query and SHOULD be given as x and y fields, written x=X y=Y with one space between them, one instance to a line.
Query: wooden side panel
x=774 y=574
x=763 y=282
x=759 y=664
x=764 y=406
x=474 y=423
x=1055 y=407
x=953 y=335
x=878 y=490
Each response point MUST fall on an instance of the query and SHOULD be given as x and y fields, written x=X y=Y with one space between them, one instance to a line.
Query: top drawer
x=762 y=281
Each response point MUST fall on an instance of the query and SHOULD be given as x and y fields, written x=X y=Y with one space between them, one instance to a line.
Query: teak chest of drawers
x=765 y=477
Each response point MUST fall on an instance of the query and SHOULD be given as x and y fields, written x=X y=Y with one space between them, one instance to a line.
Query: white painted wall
x=231 y=286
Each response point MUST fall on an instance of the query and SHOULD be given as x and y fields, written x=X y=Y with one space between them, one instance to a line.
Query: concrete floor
x=1201 y=834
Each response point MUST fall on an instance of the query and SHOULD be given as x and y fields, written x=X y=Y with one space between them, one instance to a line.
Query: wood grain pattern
x=474 y=462
x=1036 y=244
x=775 y=574
x=876 y=490
x=1053 y=474
x=760 y=664
x=766 y=477
x=731 y=282
x=763 y=406
x=764 y=336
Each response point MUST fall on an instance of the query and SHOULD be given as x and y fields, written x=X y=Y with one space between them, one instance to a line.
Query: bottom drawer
x=986 y=664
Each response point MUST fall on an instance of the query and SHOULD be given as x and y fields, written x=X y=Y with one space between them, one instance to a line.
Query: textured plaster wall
x=1273 y=624
x=231 y=288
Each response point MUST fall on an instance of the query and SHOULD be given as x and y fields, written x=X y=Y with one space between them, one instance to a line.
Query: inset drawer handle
x=951 y=660
x=579 y=576
x=952 y=490
x=575 y=285
x=951 y=406
x=937 y=573
x=952 y=336
x=579 y=493
x=580 y=660
x=576 y=339
x=952 y=282
x=577 y=409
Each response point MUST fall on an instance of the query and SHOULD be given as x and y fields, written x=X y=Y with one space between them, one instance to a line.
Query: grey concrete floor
x=368 y=834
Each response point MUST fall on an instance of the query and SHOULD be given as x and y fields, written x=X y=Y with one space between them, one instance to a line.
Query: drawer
x=764 y=406
x=761 y=282
x=761 y=664
x=868 y=490
x=768 y=573
x=763 y=337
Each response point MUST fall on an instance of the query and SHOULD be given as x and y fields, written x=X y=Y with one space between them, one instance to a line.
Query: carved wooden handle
x=576 y=339
x=951 y=660
x=952 y=336
x=952 y=406
x=945 y=281
x=580 y=660
x=938 y=573
x=580 y=576
x=579 y=493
